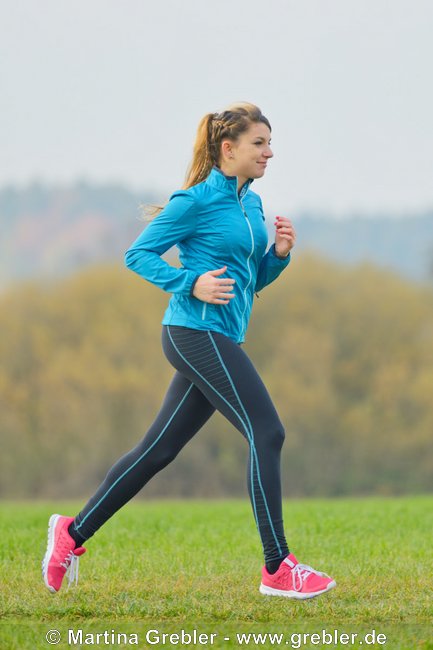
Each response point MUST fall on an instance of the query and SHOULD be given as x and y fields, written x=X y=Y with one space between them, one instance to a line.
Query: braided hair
x=213 y=128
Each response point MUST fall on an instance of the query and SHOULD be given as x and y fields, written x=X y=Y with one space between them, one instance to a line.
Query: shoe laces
x=71 y=564
x=300 y=573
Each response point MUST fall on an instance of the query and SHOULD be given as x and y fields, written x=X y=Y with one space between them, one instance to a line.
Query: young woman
x=218 y=224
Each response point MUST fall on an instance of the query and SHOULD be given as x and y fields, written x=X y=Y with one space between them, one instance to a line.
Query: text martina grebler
x=152 y=637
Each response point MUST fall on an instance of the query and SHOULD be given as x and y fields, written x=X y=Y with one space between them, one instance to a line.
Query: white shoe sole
x=270 y=591
x=50 y=546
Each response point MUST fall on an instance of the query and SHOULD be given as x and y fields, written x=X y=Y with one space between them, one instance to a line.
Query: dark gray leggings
x=212 y=372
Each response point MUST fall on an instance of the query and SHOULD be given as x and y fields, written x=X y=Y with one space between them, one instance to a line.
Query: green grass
x=170 y=565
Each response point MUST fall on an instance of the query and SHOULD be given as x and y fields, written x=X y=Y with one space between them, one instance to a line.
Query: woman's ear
x=227 y=149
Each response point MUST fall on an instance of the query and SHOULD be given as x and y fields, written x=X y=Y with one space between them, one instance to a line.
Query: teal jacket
x=212 y=226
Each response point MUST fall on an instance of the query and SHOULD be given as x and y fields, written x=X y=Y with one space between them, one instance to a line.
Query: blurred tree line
x=55 y=230
x=346 y=353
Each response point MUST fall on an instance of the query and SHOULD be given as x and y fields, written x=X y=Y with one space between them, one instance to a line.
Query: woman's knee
x=278 y=435
x=151 y=458
x=164 y=457
x=271 y=435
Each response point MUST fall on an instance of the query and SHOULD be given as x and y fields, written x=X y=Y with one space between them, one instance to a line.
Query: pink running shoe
x=295 y=580
x=61 y=557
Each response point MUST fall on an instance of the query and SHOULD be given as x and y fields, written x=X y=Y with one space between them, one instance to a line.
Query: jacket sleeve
x=270 y=268
x=176 y=222
x=270 y=265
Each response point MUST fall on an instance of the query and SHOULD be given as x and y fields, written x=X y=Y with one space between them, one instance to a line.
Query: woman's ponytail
x=202 y=159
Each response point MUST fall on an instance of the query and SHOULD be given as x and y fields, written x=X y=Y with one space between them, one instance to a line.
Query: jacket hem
x=202 y=327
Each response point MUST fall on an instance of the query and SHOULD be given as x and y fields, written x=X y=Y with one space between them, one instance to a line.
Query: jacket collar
x=227 y=184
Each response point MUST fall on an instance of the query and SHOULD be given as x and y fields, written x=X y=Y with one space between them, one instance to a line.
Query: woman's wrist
x=280 y=257
x=191 y=291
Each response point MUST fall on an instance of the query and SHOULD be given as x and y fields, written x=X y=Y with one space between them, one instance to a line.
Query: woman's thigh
x=225 y=374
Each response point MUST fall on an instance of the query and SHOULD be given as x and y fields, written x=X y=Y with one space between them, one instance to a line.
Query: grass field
x=174 y=565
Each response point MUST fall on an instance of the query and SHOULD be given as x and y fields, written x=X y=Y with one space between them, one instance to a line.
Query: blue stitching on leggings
x=222 y=397
x=230 y=406
x=253 y=448
x=248 y=432
x=137 y=461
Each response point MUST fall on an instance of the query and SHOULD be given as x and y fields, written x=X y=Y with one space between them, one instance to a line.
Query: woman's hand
x=210 y=288
x=285 y=236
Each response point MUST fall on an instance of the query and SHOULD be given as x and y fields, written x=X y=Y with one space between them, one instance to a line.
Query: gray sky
x=113 y=91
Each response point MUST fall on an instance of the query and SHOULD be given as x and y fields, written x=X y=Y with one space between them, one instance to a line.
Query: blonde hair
x=213 y=128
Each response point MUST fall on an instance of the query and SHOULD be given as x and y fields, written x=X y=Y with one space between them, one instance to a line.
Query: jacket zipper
x=203 y=311
x=248 y=264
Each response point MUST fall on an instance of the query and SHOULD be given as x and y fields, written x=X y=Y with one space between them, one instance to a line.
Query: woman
x=218 y=224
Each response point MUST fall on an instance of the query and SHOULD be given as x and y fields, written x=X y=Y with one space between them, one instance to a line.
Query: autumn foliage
x=346 y=353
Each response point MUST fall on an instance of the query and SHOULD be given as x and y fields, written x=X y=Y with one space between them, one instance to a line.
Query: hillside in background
x=400 y=244
x=52 y=231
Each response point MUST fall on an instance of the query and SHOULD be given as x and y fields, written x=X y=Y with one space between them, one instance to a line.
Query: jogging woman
x=218 y=225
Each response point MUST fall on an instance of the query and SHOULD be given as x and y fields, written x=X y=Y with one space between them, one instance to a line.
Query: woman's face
x=248 y=156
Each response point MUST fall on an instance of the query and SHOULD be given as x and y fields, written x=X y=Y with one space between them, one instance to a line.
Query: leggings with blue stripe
x=212 y=372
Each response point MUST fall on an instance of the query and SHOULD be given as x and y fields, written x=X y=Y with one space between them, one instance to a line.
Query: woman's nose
x=269 y=153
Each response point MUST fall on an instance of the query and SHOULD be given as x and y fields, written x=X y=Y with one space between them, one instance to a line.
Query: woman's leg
x=184 y=411
x=225 y=375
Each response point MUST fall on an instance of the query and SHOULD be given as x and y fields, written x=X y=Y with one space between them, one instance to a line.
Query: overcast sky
x=113 y=90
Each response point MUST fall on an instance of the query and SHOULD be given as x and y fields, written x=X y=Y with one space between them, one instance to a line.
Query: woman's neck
x=229 y=172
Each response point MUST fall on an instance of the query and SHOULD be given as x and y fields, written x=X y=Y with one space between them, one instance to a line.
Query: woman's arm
x=270 y=268
x=278 y=256
x=176 y=222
